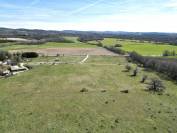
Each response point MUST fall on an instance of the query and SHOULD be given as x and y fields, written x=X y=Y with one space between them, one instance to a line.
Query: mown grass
x=143 y=48
x=48 y=99
x=47 y=45
x=65 y=59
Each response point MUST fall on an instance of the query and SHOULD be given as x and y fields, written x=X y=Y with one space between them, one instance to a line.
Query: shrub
x=135 y=72
x=84 y=90
x=30 y=55
x=166 y=66
x=115 y=50
x=5 y=41
x=125 y=91
x=173 y=53
x=118 y=45
x=156 y=85
x=128 y=67
x=169 y=53
x=144 y=78
x=166 y=53
x=1 y=72
x=4 y=55
x=99 y=44
x=16 y=57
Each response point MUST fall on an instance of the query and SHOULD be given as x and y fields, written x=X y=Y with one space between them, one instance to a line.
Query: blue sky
x=101 y=15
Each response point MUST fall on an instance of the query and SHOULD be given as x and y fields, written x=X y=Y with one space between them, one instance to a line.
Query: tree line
x=170 y=38
x=165 y=66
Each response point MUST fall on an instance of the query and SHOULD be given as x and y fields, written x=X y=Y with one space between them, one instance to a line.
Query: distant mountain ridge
x=170 y=38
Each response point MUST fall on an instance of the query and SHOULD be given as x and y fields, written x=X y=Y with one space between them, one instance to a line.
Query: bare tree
x=156 y=85
x=135 y=72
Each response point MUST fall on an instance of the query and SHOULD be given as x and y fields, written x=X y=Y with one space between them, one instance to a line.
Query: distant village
x=11 y=64
x=9 y=69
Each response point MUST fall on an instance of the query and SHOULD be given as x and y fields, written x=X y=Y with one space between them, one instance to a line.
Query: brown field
x=71 y=51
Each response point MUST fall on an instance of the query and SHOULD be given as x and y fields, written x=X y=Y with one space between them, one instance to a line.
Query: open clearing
x=143 y=48
x=48 y=99
x=75 y=44
x=71 y=51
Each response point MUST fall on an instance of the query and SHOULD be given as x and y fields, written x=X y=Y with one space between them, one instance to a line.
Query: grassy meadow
x=47 y=99
x=75 y=44
x=143 y=48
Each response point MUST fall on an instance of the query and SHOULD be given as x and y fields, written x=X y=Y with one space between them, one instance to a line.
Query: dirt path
x=57 y=63
x=84 y=60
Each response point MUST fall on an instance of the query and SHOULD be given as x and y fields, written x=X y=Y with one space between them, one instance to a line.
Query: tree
x=118 y=45
x=156 y=85
x=166 y=53
x=135 y=72
x=30 y=55
x=173 y=53
x=144 y=78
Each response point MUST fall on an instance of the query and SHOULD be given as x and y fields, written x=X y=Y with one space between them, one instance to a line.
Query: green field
x=47 y=99
x=48 y=45
x=144 y=48
x=75 y=44
x=64 y=59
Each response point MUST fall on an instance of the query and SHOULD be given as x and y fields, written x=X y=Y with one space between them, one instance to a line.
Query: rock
x=117 y=121
x=155 y=128
x=125 y=91
x=168 y=94
x=84 y=90
x=103 y=91
x=106 y=102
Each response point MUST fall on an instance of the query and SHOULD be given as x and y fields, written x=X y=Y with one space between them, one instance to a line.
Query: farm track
x=84 y=60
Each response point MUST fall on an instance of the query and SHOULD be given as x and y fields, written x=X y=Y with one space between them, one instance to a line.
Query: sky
x=90 y=15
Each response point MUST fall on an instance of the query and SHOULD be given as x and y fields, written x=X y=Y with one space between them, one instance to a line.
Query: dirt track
x=72 y=51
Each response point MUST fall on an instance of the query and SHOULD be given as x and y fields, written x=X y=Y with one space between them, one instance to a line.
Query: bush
x=84 y=90
x=128 y=67
x=99 y=44
x=156 y=85
x=118 y=45
x=115 y=50
x=166 y=66
x=16 y=57
x=1 y=72
x=30 y=55
x=5 y=41
x=144 y=78
x=4 y=55
x=169 y=53
x=135 y=72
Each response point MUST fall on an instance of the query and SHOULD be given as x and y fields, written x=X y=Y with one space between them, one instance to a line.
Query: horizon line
x=89 y=30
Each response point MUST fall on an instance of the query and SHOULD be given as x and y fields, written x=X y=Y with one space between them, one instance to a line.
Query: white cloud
x=171 y=4
x=135 y=23
x=85 y=7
